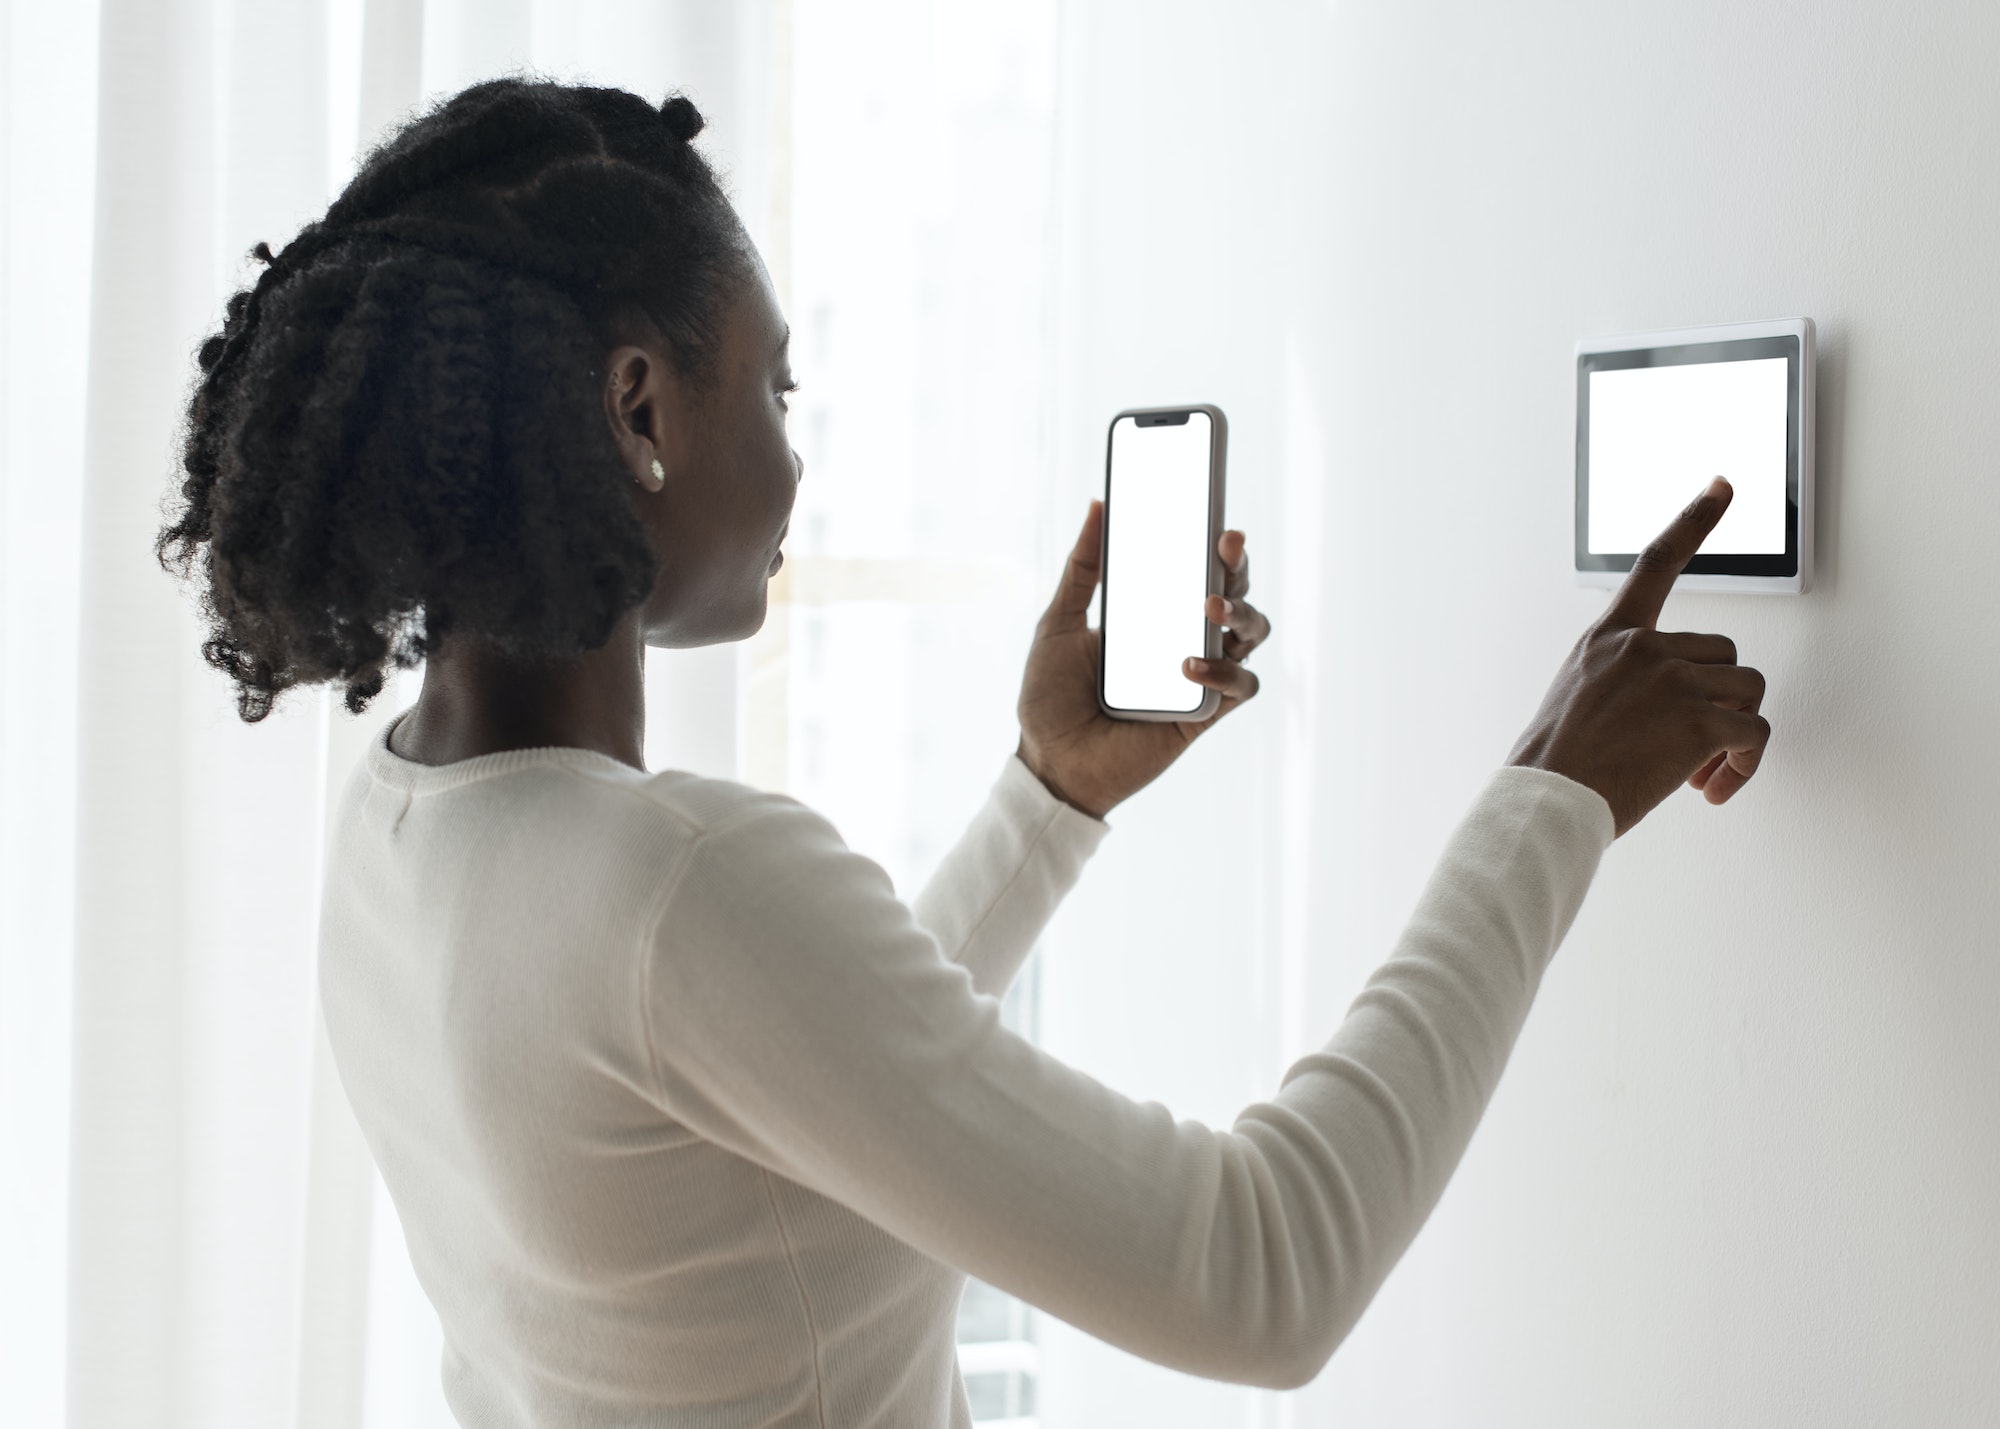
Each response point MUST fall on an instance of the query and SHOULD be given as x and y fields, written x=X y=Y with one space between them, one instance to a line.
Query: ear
x=635 y=405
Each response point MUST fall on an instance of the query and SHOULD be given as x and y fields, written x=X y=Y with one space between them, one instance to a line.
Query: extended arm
x=805 y=1021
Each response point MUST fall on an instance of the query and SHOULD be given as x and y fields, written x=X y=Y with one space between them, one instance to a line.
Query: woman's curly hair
x=399 y=431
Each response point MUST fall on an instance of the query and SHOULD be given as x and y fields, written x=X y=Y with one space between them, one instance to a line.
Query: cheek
x=762 y=481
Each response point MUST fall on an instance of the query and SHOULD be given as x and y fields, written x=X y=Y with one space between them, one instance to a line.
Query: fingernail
x=1228 y=606
x=1199 y=667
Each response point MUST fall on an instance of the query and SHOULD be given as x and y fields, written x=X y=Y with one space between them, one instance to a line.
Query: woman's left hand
x=1086 y=758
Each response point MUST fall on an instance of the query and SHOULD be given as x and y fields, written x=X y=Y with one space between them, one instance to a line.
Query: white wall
x=1743 y=1167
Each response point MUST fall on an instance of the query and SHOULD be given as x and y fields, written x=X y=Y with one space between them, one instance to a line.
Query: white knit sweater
x=690 y=1121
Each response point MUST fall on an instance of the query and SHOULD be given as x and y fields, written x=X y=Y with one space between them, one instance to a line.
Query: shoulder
x=766 y=880
x=747 y=842
x=679 y=837
x=597 y=800
x=711 y=808
x=704 y=848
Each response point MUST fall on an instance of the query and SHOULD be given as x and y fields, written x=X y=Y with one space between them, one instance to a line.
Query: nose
x=798 y=465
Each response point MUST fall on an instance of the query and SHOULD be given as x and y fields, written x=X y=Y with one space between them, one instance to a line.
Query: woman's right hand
x=1633 y=712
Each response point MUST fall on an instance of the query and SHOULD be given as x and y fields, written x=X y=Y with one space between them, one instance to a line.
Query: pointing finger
x=1639 y=600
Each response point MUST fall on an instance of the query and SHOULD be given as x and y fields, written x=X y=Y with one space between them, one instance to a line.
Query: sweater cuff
x=1029 y=801
x=1579 y=809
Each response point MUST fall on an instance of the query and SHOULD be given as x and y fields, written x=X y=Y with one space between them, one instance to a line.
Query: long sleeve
x=998 y=886
x=799 y=1016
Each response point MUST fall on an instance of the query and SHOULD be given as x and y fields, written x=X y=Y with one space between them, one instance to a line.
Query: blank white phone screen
x=1658 y=435
x=1155 y=563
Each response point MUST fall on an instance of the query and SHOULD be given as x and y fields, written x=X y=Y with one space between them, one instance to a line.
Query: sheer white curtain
x=186 y=1210
x=48 y=123
x=973 y=215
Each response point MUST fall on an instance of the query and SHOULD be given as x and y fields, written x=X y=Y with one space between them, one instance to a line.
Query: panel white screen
x=1658 y=435
x=1156 y=563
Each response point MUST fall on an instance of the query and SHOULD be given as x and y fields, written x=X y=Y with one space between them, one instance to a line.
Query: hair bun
x=681 y=118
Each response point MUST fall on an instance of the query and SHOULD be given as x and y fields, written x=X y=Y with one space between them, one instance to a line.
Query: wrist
x=1037 y=767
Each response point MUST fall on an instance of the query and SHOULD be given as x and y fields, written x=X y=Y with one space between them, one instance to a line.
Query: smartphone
x=1162 y=520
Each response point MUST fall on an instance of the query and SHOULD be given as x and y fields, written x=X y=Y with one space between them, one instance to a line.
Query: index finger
x=1644 y=593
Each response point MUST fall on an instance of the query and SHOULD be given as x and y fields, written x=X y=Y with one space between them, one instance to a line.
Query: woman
x=687 y=1119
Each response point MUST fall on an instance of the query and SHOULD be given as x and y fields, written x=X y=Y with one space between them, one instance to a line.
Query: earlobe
x=629 y=427
x=636 y=386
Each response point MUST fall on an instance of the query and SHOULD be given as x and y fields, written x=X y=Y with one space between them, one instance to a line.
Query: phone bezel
x=1211 y=700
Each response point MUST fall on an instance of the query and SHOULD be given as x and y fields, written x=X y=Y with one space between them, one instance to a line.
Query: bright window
x=922 y=310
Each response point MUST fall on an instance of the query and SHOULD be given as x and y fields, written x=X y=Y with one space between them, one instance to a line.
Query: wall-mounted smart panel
x=1658 y=414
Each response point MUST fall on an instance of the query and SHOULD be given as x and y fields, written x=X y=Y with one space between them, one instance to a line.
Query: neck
x=477 y=701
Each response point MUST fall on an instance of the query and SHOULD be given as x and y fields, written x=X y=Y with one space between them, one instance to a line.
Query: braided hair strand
x=398 y=431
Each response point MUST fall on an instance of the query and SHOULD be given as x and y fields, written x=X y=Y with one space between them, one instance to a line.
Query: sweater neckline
x=392 y=768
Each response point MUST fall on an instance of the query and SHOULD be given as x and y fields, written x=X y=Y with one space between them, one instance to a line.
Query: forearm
x=998 y=886
x=1358 y=1146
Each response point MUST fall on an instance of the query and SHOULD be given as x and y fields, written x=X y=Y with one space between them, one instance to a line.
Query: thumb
x=1070 y=608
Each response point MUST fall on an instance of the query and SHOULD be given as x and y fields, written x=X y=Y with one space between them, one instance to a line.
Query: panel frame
x=1793 y=338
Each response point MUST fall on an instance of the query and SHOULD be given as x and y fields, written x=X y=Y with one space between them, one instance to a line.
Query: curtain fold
x=128 y=1153
x=197 y=837
x=48 y=122
x=220 y=1266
